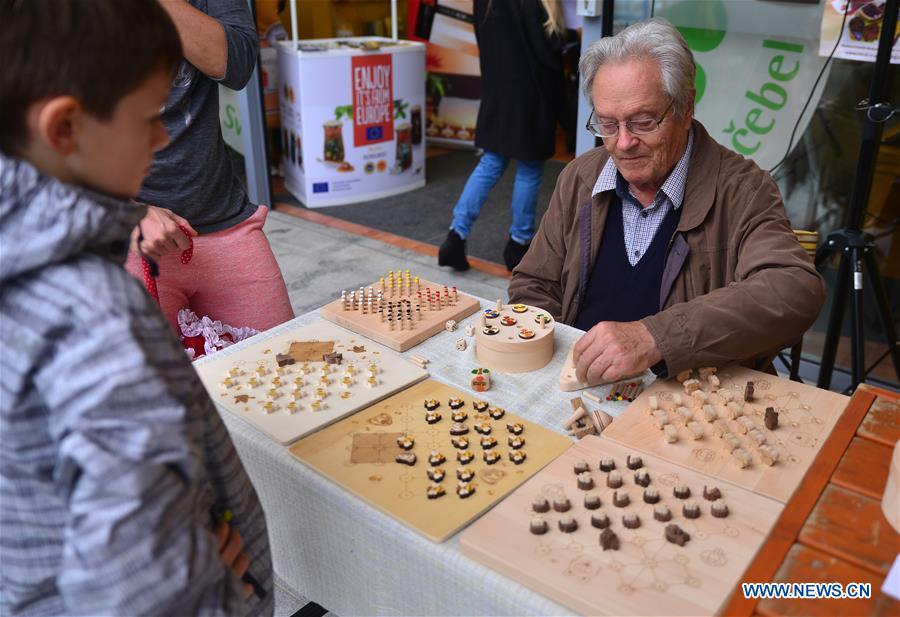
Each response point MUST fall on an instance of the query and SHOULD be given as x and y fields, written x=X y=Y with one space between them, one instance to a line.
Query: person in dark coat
x=519 y=44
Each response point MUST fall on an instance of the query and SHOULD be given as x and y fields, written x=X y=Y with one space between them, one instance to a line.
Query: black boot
x=513 y=253
x=453 y=252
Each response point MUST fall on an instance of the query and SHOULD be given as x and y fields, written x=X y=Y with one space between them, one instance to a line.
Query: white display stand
x=352 y=118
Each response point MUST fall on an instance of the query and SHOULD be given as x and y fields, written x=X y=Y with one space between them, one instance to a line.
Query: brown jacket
x=737 y=286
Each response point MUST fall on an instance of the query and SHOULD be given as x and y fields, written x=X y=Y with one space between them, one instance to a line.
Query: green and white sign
x=756 y=65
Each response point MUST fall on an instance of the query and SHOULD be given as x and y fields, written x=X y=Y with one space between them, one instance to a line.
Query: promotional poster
x=352 y=119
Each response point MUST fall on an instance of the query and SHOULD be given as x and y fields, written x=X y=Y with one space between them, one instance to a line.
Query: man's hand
x=231 y=546
x=614 y=350
x=162 y=233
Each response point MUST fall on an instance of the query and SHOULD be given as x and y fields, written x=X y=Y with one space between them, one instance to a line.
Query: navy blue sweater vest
x=616 y=290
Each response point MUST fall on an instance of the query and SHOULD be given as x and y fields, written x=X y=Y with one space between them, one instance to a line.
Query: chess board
x=806 y=418
x=647 y=575
x=323 y=397
x=430 y=306
x=359 y=453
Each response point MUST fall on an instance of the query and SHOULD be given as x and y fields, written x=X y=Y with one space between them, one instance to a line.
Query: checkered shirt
x=640 y=224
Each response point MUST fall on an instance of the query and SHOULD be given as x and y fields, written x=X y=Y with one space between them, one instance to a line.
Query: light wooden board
x=648 y=575
x=568 y=382
x=806 y=417
x=246 y=401
x=432 y=321
x=349 y=452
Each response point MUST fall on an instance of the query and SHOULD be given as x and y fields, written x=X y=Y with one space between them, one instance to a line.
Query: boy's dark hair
x=97 y=51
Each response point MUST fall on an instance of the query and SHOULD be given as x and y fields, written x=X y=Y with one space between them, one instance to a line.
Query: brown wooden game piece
x=460 y=443
x=585 y=481
x=621 y=501
x=607 y=464
x=284 y=359
x=711 y=494
x=538 y=526
x=406 y=458
x=609 y=541
x=488 y=442
x=662 y=513
x=651 y=495
x=633 y=462
x=719 y=508
x=516 y=428
x=581 y=467
x=677 y=535
x=465 y=490
x=592 y=501
x=464 y=474
x=681 y=491
x=540 y=505
x=614 y=479
x=691 y=510
x=748 y=392
x=642 y=478
x=333 y=357
x=517 y=457
x=562 y=504
x=631 y=521
x=567 y=524
x=599 y=520
x=458 y=428
x=771 y=418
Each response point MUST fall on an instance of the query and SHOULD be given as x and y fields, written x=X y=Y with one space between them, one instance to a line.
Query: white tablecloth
x=336 y=550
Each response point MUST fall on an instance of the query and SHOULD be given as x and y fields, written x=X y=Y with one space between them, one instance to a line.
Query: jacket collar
x=700 y=190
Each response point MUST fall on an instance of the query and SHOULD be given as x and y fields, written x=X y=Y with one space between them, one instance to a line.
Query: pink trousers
x=232 y=277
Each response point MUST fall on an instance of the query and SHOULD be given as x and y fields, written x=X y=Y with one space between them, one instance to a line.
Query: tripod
x=855 y=247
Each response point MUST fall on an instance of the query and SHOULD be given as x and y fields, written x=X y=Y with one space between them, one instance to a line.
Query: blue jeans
x=524 y=198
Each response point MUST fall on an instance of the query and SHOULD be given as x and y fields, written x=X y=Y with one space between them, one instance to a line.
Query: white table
x=338 y=551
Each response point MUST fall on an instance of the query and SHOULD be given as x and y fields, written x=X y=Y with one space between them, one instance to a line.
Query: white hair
x=655 y=40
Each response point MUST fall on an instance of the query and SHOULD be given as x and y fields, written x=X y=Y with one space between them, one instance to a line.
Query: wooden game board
x=433 y=318
x=303 y=344
x=648 y=575
x=358 y=453
x=806 y=417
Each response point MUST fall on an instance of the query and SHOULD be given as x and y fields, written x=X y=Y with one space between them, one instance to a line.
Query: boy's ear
x=56 y=123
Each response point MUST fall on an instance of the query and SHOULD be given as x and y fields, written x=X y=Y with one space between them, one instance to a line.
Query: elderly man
x=672 y=251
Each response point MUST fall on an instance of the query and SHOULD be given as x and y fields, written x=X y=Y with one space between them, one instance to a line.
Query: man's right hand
x=231 y=547
x=162 y=233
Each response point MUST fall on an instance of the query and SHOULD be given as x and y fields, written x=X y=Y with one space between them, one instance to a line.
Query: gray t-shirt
x=192 y=176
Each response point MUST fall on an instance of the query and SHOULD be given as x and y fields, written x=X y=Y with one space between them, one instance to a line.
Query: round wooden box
x=514 y=339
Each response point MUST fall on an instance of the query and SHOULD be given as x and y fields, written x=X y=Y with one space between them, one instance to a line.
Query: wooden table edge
x=787 y=528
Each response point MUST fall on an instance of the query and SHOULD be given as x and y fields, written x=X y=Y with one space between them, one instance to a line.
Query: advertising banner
x=453 y=82
x=352 y=119
x=862 y=29
x=757 y=62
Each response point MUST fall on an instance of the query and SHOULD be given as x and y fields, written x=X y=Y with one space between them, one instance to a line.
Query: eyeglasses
x=640 y=126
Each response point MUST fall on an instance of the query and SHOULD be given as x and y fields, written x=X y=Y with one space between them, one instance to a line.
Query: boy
x=114 y=466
